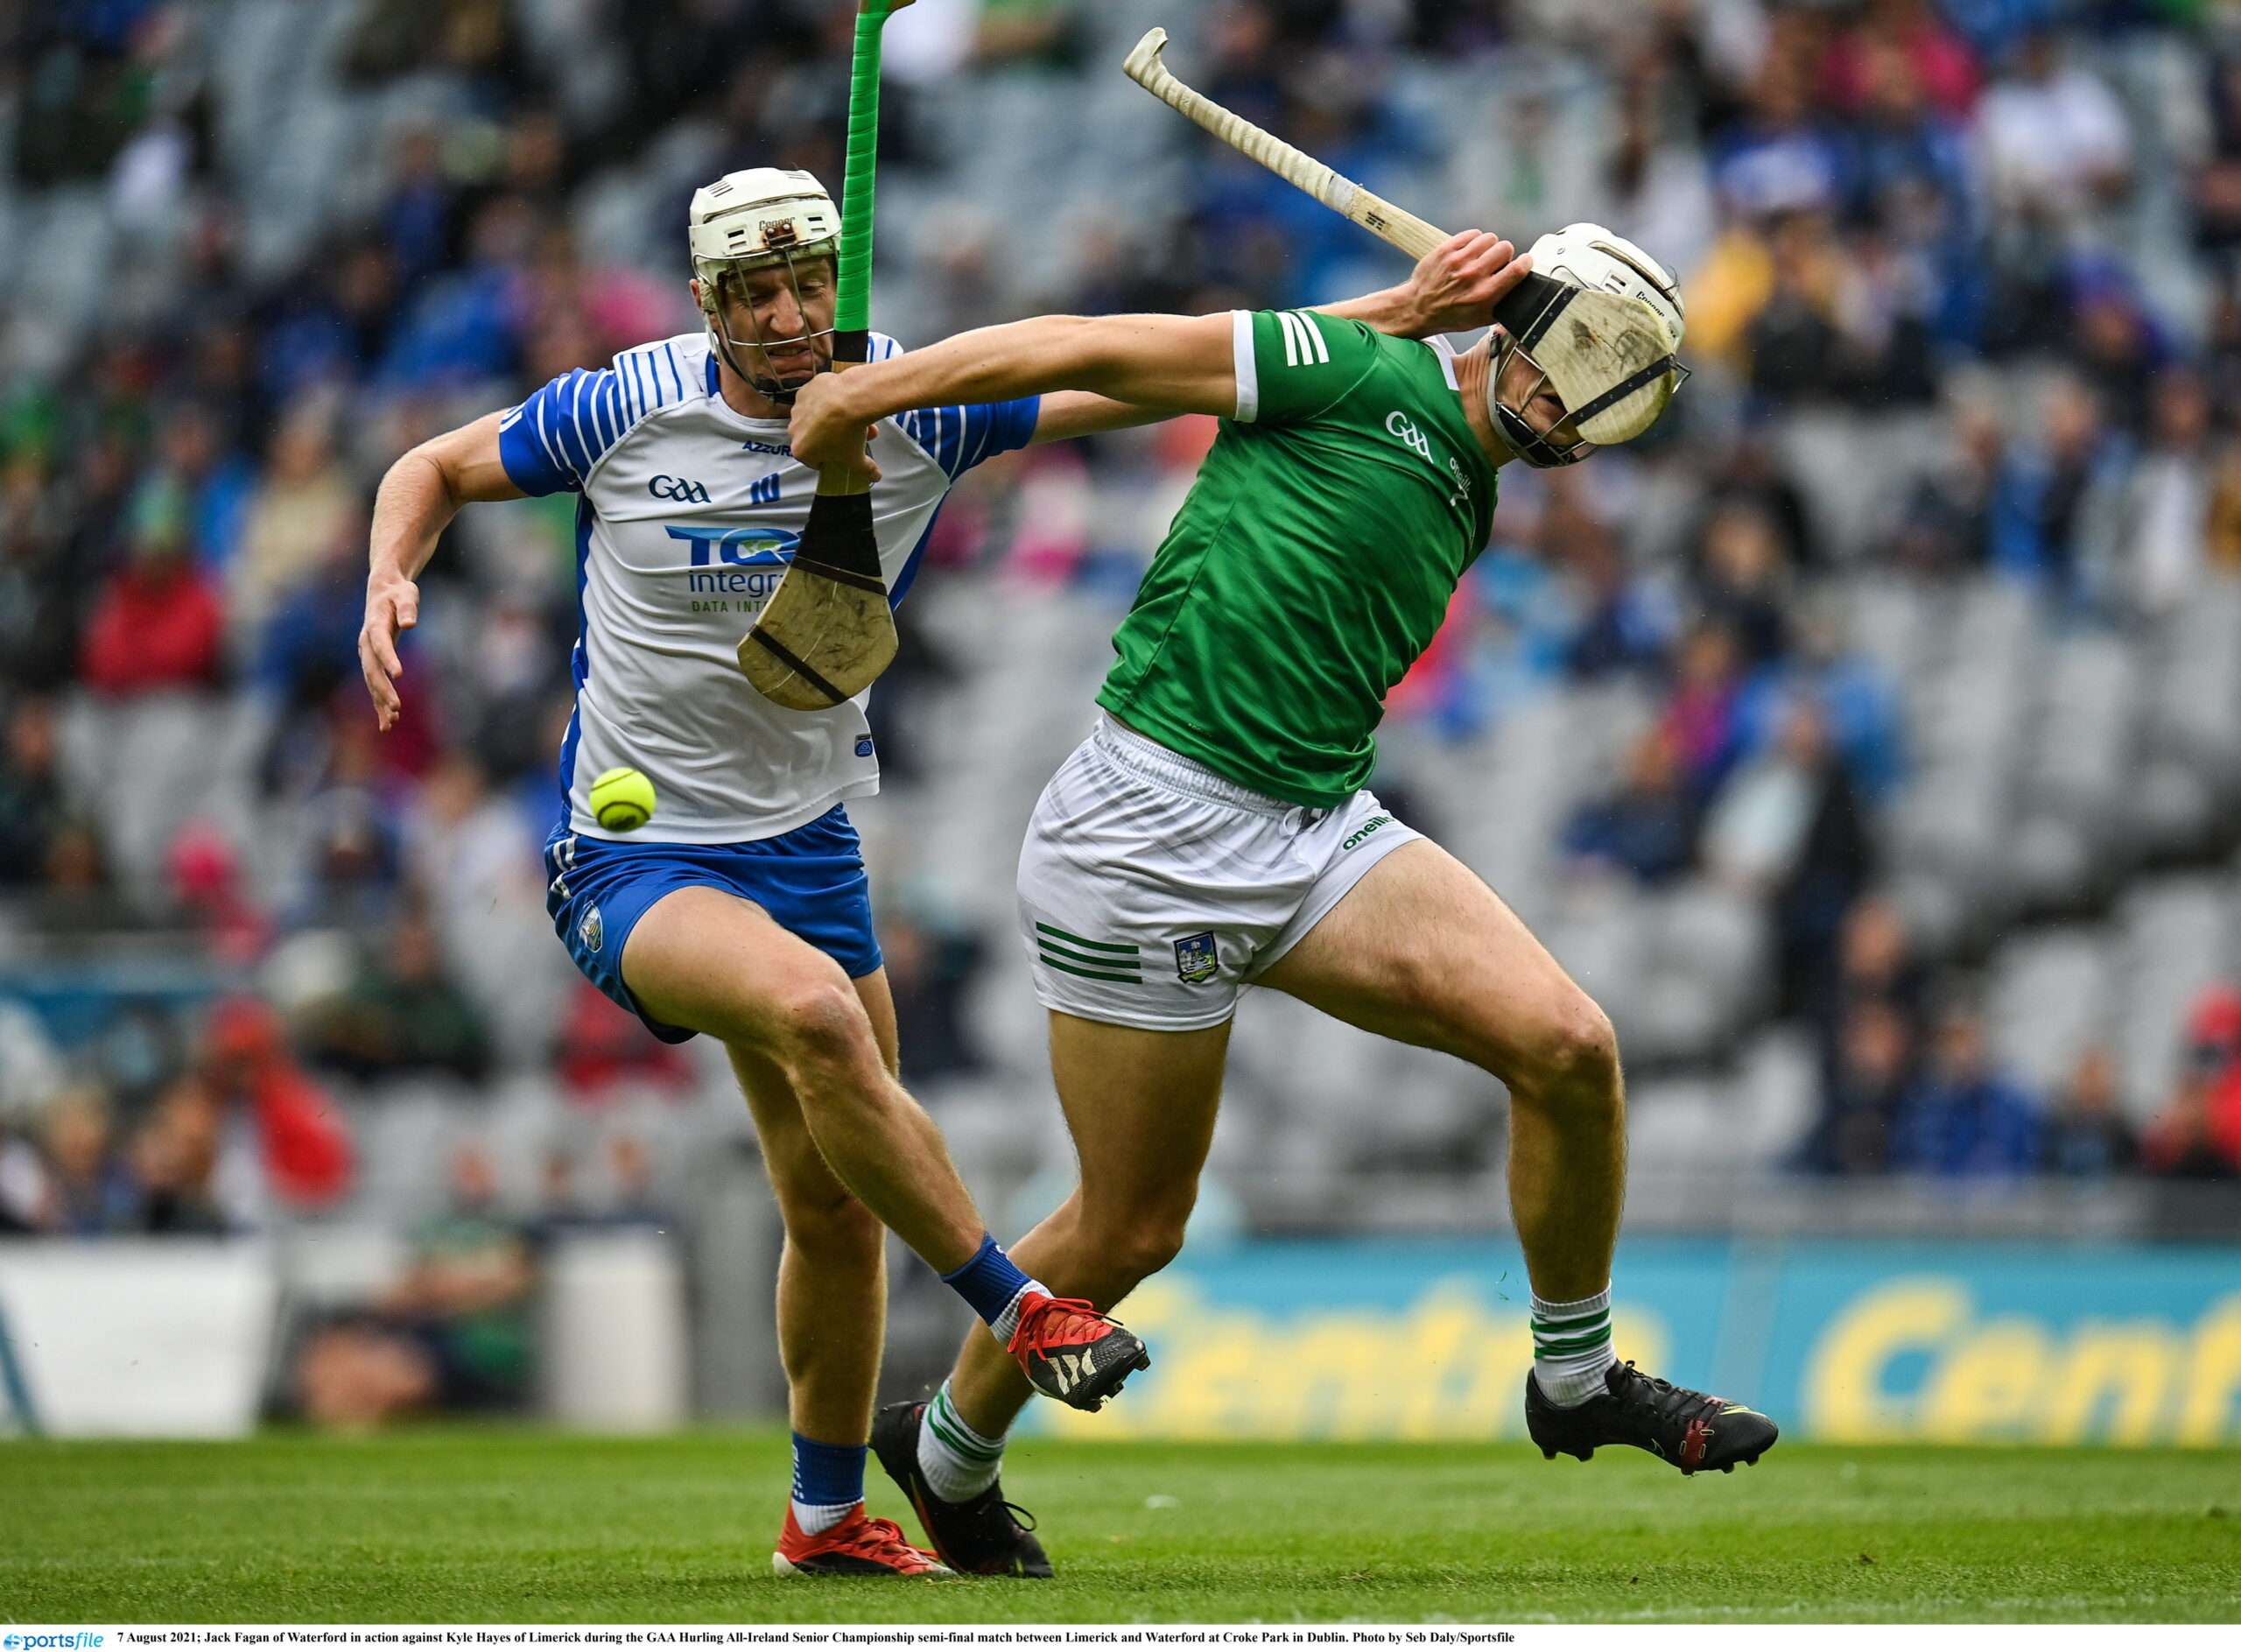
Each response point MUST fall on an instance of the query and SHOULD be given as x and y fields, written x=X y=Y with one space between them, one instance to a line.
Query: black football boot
x=984 y=1535
x=1689 y=1430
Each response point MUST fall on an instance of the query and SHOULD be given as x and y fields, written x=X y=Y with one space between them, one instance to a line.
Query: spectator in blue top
x=1649 y=826
x=1962 y=1117
x=465 y=327
x=90 y=1192
x=2051 y=495
x=1898 y=145
x=2087 y=1136
x=1856 y=699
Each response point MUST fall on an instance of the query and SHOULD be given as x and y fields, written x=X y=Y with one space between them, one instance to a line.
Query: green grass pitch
x=460 y=1526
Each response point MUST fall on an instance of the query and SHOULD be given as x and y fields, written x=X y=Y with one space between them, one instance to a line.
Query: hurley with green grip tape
x=828 y=631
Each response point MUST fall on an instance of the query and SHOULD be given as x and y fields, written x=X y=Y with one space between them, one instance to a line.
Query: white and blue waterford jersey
x=689 y=514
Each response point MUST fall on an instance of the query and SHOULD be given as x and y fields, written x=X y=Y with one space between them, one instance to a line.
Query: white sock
x=1571 y=1347
x=813 y=1518
x=958 y=1463
x=1007 y=1322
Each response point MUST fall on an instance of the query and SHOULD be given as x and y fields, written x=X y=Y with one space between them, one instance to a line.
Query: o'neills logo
x=1368 y=826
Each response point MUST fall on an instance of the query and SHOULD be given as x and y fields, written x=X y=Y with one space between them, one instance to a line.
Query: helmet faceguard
x=1543 y=450
x=726 y=293
x=760 y=218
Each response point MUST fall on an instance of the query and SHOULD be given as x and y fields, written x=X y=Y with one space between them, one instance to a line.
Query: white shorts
x=1151 y=889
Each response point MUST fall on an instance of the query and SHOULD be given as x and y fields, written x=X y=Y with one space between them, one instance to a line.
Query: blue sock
x=991 y=1284
x=828 y=1483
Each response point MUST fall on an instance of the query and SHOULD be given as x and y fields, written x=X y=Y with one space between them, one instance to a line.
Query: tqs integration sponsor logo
x=742 y=563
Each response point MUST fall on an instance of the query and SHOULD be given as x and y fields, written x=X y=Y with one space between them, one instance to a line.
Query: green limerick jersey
x=1312 y=562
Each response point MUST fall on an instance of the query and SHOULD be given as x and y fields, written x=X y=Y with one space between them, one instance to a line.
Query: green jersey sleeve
x=1295 y=365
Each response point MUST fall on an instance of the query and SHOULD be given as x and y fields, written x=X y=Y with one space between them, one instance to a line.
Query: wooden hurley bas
x=828 y=631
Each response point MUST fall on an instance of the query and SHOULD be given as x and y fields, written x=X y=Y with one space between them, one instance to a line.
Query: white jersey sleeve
x=551 y=441
x=690 y=513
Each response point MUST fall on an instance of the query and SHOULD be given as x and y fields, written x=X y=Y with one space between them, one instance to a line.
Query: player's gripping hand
x=825 y=434
x=1455 y=286
x=392 y=608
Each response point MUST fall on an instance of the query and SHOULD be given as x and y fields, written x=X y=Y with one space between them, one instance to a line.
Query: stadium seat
x=2048 y=1001
x=2176 y=934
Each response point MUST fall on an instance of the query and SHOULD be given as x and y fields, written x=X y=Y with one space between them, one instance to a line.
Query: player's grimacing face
x=784 y=312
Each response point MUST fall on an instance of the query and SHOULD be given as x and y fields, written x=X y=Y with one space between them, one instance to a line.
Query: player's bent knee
x=834 y=1226
x=1140 y=1250
x=1576 y=1051
x=822 y=1029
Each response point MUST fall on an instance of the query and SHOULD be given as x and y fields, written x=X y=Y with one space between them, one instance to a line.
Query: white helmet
x=1589 y=256
x=760 y=217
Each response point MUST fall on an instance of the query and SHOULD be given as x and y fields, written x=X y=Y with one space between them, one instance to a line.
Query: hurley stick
x=1373 y=213
x=828 y=631
x=1608 y=356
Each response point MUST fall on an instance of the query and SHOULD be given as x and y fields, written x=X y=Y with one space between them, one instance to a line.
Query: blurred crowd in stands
x=1911 y=1085
x=1880 y=207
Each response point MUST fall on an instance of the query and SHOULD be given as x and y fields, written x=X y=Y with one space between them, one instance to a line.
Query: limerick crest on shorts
x=1196 y=959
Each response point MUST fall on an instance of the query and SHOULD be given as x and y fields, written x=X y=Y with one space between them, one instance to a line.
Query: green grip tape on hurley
x=853 y=302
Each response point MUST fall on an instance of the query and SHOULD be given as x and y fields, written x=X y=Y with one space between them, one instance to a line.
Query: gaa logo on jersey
x=590 y=930
x=1197 y=959
x=1403 y=429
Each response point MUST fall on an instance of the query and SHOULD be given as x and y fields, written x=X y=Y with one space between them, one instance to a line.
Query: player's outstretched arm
x=1163 y=363
x=1453 y=289
x=418 y=497
x=1066 y=414
x=1134 y=369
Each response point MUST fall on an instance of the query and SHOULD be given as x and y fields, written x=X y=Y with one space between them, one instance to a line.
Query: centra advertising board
x=1849 y=1342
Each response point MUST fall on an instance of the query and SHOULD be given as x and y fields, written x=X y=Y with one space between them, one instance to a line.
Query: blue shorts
x=810 y=879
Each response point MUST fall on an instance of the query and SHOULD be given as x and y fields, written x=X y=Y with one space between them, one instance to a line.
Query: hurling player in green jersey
x=1215 y=830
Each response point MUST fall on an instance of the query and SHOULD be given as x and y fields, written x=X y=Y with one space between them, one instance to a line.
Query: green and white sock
x=1571 y=1347
x=958 y=1463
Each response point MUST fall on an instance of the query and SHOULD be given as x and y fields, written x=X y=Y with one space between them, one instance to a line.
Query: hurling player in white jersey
x=741 y=908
